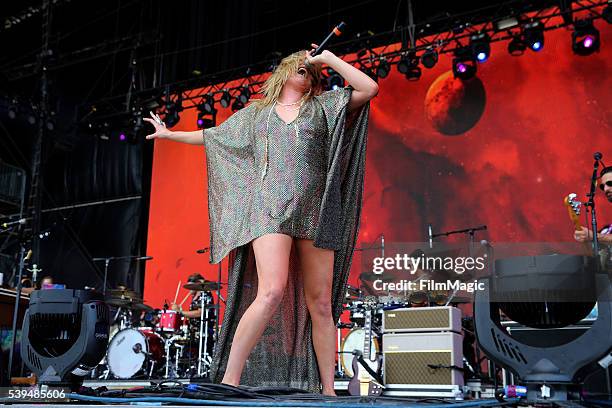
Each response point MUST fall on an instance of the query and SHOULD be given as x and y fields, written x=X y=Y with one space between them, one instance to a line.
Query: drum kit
x=147 y=343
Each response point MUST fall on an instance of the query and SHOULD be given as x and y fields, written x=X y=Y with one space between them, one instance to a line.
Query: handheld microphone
x=336 y=31
x=430 y=236
x=597 y=156
x=10 y=224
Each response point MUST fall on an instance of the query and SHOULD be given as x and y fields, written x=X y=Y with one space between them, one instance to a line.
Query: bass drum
x=131 y=351
x=355 y=341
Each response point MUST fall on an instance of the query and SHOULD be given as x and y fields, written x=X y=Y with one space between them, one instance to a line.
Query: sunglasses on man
x=607 y=183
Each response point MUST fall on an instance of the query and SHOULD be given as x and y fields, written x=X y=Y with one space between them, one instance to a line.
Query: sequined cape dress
x=311 y=188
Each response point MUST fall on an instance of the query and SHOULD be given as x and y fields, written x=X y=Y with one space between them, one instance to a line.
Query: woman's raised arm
x=161 y=132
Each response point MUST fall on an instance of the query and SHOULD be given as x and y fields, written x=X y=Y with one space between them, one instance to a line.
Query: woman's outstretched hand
x=160 y=129
x=322 y=58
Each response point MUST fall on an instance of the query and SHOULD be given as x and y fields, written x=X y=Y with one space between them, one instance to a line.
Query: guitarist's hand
x=583 y=234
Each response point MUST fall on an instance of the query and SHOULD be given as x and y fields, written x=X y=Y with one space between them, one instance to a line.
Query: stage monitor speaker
x=426 y=319
x=423 y=358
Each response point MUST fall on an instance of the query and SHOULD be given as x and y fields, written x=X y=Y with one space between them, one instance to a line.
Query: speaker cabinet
x=423 y=358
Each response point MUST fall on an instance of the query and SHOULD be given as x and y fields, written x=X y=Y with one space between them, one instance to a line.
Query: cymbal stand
x=107 y=260
x=203 y=343
x=219 y=297
x=339 y=369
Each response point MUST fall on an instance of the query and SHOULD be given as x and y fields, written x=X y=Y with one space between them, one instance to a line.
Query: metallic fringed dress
x=304 y=179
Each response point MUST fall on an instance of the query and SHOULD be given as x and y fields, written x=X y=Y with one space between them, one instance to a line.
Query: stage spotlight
x=369 y=72
x=481 y=47
x=516 y=46
x=206 y=120
x=607 y=13
x=12 y=112
x=31 y=118
x=561 y=291
x=414 y=73
x=225 y=99
x=245 y=94
x=172 y=111
x=208 y=105
x=122 y=137
x=172 y=118
x=585 y=38
x=237 y=105
x=403 y=65
x=50 y=122
x=409 y=66
x=334 y=81
x=464 y=65
x=533 y=34
x=429 y=58
x=65 y=334
x=383 y=68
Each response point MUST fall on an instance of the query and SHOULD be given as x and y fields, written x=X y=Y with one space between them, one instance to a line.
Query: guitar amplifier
x=422 y=319
x=423 y=358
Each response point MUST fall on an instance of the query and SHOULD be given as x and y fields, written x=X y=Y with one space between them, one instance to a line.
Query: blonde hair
x=288 y=66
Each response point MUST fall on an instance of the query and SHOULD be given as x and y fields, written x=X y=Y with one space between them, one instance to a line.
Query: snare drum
x=169 y=321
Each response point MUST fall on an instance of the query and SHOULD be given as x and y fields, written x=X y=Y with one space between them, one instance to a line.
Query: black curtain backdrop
x=77 y=180
x=96 y=170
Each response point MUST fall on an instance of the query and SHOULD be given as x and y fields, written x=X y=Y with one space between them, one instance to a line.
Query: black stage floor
x=174 y=393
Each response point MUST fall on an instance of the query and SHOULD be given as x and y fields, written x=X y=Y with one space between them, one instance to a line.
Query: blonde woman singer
x=285 y=180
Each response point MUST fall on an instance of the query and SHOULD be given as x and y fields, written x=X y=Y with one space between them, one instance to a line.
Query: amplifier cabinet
x=422 y=319
x=423 y=358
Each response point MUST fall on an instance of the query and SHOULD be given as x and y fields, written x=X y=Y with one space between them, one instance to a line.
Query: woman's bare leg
x=272 y=259
x=318 y=266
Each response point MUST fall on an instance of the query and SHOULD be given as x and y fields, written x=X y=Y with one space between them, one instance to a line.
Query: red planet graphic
x=452 y=105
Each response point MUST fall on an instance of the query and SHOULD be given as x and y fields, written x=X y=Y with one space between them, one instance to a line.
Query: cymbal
x=127 y=302
x=121 y=292
x=207 y=285
x=142 y=307
x=119 y=302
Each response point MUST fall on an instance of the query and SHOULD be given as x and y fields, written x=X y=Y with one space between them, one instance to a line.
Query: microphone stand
x=471 y=233
x=22 y=259
x=591 y=203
